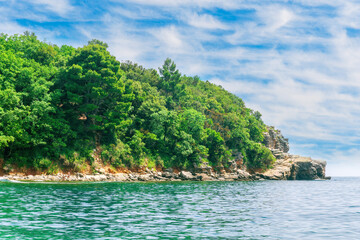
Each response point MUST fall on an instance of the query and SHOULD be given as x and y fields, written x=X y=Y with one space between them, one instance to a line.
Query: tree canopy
x=62 y=107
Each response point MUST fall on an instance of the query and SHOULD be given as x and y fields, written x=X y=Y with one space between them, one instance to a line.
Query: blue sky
x=297 y=62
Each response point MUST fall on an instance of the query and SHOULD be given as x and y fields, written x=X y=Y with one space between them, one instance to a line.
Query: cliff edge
x=288 y=166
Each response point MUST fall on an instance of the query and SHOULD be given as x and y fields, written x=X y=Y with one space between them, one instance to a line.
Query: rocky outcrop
x=185 y=175
x=287 y=166
x=273 y=139
x=307 y=169
x=296 y=168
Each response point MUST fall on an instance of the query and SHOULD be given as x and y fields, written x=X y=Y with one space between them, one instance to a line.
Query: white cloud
x=61 y=7
x=11 y=28
x=275 y=17
x=170 y=37
x=137 y=13
x=187 y=3
x=122 y=44
x=204 y=21
x=86 y=31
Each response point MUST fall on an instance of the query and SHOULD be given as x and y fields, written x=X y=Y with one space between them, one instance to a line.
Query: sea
x=182 y=210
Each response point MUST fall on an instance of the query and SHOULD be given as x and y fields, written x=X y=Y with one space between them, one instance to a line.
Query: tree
x=216 y=145
x=192 y=122
x=170 y=77
x=98 y=42
x=95 y=97
x=258 y=156
x=29 y=125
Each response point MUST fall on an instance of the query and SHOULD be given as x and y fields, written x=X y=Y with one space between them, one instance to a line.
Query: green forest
x=73 y=108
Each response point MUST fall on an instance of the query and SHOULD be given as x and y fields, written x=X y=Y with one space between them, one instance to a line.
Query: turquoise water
x=182 y=210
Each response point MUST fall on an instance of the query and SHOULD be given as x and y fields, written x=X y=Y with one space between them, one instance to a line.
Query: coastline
x=290 y=167
x=126 y=177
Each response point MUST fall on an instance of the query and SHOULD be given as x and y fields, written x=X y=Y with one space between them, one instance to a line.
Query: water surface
x=182 y=210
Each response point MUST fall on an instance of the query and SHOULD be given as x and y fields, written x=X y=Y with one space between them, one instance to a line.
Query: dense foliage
x=62 y=107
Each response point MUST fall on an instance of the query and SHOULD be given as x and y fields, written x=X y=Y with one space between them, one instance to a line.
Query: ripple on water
x=188 y=210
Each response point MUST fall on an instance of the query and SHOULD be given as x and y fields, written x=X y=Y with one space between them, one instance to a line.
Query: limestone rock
x=203 y=168
x=168 y=175
x=243 y=175
x=145 y=177
x=100 y=170
x=185 y=175
x=204 y=177
x=296 y=168
x=307 y=169
x=273 y=139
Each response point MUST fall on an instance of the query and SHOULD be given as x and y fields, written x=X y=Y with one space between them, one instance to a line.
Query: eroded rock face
x=307 y=169
x=243 y=175
x=280 y=171
x=203 y=168
x=273 y=139
x=296 y=168
x=287 y=166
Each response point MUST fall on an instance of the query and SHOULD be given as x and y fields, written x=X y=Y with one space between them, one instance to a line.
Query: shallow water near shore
x=181 y=210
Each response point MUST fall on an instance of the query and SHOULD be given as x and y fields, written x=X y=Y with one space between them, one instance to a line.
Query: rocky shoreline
x=286 y=167
x=289 y=167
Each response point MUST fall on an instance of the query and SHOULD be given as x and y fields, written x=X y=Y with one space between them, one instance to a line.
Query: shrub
x=46 y=165
x=117 y=155
x=258 y=156
x=75 y=161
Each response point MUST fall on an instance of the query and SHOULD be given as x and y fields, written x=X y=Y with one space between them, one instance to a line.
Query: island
x=78 y=114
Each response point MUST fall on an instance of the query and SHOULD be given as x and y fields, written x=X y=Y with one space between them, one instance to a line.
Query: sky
x=297 y=62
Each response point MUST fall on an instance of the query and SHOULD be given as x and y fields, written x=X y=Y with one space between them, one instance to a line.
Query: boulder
x=133 y=176
x=145 y=177
x=100 y=170
x=203 y=168
x=185 y=175
x=168 y=175
x=204 y=177
x=243 y=175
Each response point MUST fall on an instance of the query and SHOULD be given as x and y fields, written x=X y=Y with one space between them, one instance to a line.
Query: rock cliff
x=273 y=139
x=295 y=167
x=287 y=166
